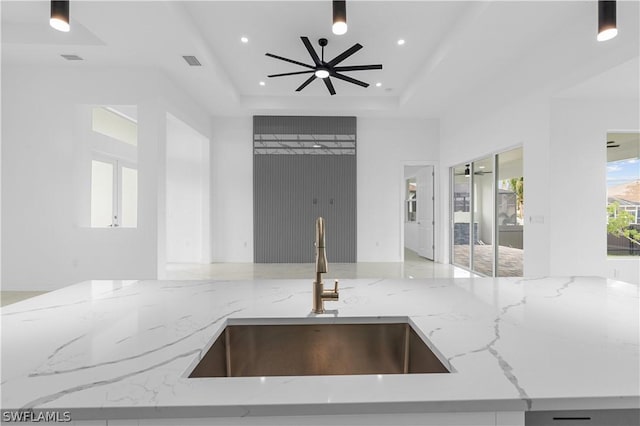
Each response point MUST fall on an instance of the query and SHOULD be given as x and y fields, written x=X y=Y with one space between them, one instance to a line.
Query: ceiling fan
x=612 y=144
x=467 y=172
x=326 y=70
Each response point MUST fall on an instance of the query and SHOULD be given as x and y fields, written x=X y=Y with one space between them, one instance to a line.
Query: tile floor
x=414 y=266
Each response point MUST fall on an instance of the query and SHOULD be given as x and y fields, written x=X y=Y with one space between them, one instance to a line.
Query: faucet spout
x=319 y=293
x=321 y=254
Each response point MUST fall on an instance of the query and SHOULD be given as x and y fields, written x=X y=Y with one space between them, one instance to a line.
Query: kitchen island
x=107 y=350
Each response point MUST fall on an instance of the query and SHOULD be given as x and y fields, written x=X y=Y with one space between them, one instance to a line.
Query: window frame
x=116 y=210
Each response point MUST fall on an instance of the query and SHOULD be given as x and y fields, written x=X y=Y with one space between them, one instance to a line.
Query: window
x=117 y=125
x=114 y=194
x=114 y=172
x=623 y=194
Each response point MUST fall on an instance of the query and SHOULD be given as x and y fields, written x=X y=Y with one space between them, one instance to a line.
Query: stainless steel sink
x=317 y=349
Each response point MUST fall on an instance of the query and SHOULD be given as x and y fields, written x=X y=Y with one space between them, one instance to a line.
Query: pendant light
x=339 y=17
x=60 y=15
x=607 y=28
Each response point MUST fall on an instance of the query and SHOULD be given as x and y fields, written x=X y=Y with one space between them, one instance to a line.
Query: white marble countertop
x=118 y=349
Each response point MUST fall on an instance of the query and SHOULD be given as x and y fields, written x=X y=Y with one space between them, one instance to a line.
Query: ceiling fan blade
x=613 y=146
x=350 y=80
x=289 y=60
x=344 y=55
x=359 y=67
x=290 y=73
x=329 y=84
x=311 y=50
x=306 y=83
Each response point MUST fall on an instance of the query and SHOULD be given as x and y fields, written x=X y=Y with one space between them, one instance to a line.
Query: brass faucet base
x=320 y=294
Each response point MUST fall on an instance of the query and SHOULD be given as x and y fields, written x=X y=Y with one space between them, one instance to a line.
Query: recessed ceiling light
x=244 y=39
x=262 y=83
x=378 y=84
x=401 y=42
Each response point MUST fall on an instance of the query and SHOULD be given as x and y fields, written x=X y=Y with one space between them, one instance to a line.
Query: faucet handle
x=335 y=287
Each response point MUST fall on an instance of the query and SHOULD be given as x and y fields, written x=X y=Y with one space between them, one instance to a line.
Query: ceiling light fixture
x=322 y=73
x=262 y=83
x=378 y=84
x=60 y=15
x=401 y=42
x=244 y=39
x=607 y=28
x=326 y=70
x=339 y=17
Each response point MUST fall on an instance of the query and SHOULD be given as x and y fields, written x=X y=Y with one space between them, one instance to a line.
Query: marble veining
x=125 y=348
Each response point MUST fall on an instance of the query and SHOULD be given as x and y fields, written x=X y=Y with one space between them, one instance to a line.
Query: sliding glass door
x=461 y=216
x=482 y=247
x=510 y=214
x=487 y=202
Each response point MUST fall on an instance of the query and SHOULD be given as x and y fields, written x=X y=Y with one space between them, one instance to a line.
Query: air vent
x=192 y=60
x=72 y=57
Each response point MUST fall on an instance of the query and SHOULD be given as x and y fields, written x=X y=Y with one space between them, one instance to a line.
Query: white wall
x=564 y=173
x=186 y=193
x=477 y=132
x=232 y=189
x=384 y=145
x=578 y=172
x=44 y=245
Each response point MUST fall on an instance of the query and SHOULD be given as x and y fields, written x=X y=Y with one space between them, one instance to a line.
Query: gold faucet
x=319 y=293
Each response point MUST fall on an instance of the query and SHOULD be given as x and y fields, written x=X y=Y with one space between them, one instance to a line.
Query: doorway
x=419 y=212
x=487 y=203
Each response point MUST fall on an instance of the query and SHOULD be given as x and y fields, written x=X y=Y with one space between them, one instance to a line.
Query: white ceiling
x=456 y=52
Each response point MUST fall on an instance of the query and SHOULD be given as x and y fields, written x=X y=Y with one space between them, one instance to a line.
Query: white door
x=424 y=211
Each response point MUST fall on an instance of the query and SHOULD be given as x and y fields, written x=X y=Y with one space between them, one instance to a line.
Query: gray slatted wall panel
x=282 y=207
x=295 y=125
x=291 y=191
x=335 y=185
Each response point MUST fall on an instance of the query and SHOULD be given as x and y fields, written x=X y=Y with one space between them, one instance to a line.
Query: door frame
x=436 y=203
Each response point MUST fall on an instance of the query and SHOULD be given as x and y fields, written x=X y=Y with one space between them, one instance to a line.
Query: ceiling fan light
x=322 y=73
x=60 y=15
x=339 y=17
x=607 y=28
